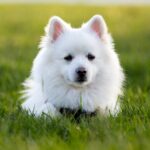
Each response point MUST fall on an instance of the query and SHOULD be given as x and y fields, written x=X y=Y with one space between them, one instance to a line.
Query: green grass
x=20 y=29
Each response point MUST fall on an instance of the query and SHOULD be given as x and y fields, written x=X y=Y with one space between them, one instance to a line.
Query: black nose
x=81 y=71
x=81 y=75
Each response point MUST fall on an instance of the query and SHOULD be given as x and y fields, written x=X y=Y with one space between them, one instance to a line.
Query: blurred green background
x=21 y=27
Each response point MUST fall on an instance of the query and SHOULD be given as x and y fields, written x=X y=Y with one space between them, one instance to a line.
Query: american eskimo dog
x=74 y=67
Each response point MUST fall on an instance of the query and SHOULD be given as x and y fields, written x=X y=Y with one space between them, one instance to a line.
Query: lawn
x=20 y=29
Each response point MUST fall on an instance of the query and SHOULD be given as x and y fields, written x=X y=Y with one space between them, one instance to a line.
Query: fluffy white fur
x=52 y=85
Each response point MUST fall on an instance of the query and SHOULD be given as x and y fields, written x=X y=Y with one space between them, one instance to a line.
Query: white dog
x=74 y=68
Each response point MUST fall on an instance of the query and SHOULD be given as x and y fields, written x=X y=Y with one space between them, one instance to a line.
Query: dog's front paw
x=46 y=109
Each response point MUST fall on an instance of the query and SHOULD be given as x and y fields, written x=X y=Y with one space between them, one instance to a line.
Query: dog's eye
x=68 y=57
x=90 y=57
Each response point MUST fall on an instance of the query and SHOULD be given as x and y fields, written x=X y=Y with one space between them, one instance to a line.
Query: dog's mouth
x=79 y=84
x=81 y=80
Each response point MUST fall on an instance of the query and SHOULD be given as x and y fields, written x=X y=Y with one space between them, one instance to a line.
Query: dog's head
x=77 y=54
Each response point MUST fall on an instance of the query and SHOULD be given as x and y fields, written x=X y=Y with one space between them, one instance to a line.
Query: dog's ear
x=97 y=25
x=55 y=28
